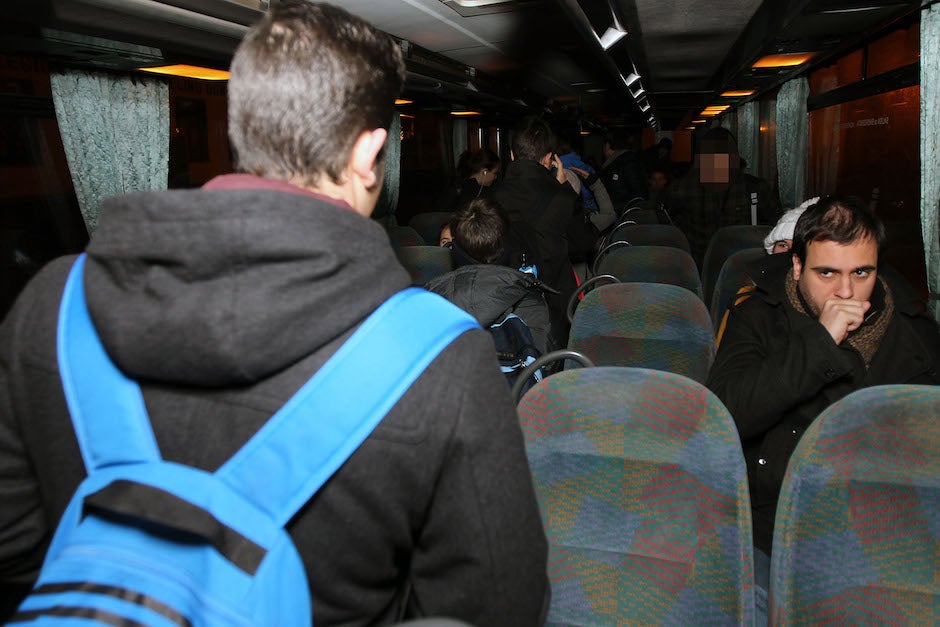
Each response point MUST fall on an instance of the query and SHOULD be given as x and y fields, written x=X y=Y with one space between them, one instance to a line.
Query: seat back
x=424 y=263
x=650 y=235
x=404 y=236
x=726 y=241
x=858 y=521
x=646 y=325
x=651 y=264
x=731 y=278
x=429 y=224
x=642 y=487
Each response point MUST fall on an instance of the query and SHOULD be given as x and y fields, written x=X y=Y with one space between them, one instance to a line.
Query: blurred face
x=782 y=246
x=836 y=271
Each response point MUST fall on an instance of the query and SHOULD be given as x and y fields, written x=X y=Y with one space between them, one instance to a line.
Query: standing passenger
x=223 y=301
x=541 y=208
x=476 y=173
x=716 y=192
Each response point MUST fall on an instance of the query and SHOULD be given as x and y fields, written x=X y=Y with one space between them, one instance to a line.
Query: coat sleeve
x=482 y=553
x=764 y=367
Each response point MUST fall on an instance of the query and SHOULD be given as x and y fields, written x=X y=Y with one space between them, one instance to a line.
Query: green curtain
x=116 y=133
x=387 y=204
x=461 y=142
x=747 y=133
x=930 y=150
x=792 y=141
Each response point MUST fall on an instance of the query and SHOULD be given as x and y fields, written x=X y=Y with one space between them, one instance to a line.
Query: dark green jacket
x=777 y=369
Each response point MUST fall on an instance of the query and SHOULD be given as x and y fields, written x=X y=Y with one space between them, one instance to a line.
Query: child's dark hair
x=478 y=228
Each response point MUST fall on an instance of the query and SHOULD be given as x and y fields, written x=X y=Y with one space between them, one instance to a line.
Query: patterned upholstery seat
x=651 y=264
x=732 y=278
x=429 y=224
x=404 y=236
x=424 y=263
x=857 y=534
x=642 y=487
x=650 y=235
x=726 y=241
x=645 y=325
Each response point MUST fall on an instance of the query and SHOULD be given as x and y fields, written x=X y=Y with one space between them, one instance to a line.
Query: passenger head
x=717 y=157
x=533 y=140
x=835 y=251
x=780 y=238
x=445 y=237
x=311 y=94
x=618 y=139
x=478 y=228
x=482 y=166
x=658 y=179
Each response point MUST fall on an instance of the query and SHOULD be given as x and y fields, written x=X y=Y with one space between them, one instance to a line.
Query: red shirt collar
x=250 y=181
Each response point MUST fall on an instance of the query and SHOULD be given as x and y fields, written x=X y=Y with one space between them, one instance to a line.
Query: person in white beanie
x=780 y=238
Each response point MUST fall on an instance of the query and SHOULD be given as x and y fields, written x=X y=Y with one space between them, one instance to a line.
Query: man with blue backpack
x=228 y=361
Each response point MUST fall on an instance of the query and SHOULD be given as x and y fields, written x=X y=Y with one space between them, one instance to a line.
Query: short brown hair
x=306 y=81
x=478 y=229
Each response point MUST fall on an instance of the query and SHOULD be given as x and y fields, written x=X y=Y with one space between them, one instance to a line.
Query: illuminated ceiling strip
x=783 y=60
x=738 y=93
x=464 y=113
x=189 y=71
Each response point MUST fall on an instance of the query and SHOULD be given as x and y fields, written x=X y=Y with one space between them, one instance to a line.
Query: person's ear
x=365 y=154
x=797 y=267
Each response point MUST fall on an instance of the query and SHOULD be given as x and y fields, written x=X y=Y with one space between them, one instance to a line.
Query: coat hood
x=226 y=286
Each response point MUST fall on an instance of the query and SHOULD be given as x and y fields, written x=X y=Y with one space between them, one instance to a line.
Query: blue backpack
x=150 y=542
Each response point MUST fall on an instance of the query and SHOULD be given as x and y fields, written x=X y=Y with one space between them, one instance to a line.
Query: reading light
x=699 y=121
x=783 y=60
x=464 y=113
x=737 y=94
x=402 y=101
x=189 y=71
x=611 y=36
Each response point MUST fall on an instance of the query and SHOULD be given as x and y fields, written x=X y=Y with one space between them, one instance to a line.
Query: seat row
x=642 y=486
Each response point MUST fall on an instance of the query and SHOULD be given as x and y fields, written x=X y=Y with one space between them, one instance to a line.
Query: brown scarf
x=867 y=337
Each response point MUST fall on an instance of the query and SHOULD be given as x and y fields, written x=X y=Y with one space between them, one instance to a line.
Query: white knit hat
x=785 y=225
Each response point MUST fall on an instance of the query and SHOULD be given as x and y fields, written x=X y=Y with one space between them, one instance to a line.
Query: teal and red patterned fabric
x=650 y=235
x=732 y=278
x=726 y=241
x=424 y=263
x=857 y=534
x=652 y=264
x=645 y=325
x=642 y=487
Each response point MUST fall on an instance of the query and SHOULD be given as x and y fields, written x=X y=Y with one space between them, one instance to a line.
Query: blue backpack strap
x=314 y=433
x=107 y=408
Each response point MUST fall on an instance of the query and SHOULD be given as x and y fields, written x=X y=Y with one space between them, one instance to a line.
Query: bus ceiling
x=608 y=62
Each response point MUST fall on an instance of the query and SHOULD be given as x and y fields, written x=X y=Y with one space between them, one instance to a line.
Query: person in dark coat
x=223 y=301
x=822 y=323
x=481 y=285
x=623 y=174
x=476 y=173
x=542 y=209
x=716 y=192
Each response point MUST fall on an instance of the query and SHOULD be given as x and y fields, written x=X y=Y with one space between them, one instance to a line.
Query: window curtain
x=388 y=199
x=930 y=150
x=461 y=143
x=792 y=141
x=747 y=134
x=116 y=134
